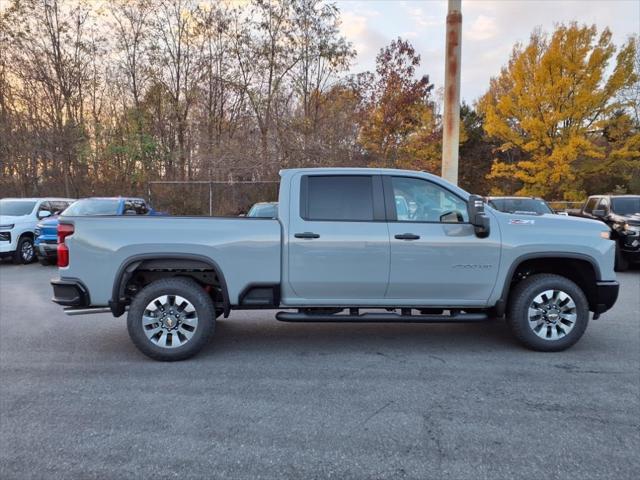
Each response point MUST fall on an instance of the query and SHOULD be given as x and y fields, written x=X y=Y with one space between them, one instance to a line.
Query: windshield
x=264 y=211
x=92 y=206
x=625 y=205
x=520 y=205
x=16 y=208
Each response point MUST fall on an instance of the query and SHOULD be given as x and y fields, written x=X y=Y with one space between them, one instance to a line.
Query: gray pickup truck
x=348 y=245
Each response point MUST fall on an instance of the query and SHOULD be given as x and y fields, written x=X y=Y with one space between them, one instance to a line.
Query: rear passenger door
x=338 y=245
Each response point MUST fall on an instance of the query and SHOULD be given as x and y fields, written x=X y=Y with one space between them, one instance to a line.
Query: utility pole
x=451 y=120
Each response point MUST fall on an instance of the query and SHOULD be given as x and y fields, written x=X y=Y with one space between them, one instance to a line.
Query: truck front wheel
x=171 y=319
x=548 y=312
x=621 y=263
x=25 y=253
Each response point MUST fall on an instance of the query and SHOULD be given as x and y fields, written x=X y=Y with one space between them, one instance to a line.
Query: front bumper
x=605 y=296
x=47 y=250
x=70 y=293
x=7 y=247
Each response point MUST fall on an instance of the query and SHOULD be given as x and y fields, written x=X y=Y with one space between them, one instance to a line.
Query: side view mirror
x=478 y=218
x=44 y=214
x=599 y=213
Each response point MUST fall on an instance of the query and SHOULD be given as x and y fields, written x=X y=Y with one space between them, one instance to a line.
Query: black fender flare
x=501 y=304
x=130 y=264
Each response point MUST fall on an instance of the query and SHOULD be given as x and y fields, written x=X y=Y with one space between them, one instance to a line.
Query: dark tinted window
x=339 y=198
x=129 y=209
x=603 y=204
x=140 y=207
x=44 y=206
x=626 y=205
x=58 y=206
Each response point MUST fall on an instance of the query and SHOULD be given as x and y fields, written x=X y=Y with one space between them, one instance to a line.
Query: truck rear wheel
x=171 y=319
x=548 y=312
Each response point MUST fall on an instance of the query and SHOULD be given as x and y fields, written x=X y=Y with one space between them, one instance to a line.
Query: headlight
x=631 y=229
x=7 y=227
x=606 y=234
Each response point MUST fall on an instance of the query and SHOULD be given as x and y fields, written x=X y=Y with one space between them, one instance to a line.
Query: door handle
x=306 y=235
x=407 y=236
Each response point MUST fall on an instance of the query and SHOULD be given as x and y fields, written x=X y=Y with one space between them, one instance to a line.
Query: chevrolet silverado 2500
x=408 y=245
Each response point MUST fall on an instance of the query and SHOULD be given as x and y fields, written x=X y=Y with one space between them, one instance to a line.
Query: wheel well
x=138 y=273
x=26 y=234
x=580 y=271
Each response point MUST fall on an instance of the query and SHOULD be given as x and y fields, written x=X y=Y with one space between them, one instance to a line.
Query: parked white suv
x=18 y=219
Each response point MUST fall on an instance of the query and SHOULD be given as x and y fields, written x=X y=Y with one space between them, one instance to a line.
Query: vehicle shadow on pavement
x=269 y=336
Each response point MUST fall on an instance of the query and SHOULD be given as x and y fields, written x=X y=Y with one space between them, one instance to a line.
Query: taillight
x=64 y=230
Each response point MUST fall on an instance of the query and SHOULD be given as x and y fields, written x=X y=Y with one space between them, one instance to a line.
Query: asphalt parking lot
x=276 y=400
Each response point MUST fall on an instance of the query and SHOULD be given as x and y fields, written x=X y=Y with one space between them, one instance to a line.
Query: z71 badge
x=521 y=221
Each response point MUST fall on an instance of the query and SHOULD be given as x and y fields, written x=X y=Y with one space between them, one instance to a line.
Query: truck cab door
x=436 y=257
x=337 y=240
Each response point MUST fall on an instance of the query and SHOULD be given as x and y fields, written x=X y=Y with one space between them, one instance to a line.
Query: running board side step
x=380 y=318
x=85 y=311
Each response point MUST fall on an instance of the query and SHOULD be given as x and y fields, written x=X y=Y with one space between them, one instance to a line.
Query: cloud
x=366 y=40
x=490 y=28
x=482 y=28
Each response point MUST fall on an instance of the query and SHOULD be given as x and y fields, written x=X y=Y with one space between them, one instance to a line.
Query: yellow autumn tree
x=550 y=103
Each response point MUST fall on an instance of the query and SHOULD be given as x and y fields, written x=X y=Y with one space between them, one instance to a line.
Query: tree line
x=98 y=98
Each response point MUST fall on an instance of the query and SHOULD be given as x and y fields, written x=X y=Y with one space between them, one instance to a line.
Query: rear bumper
x=606 y=296
x=70 y=293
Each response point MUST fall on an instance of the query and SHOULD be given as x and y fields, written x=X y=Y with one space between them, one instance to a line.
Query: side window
x=603 y=204
x=140 y=207
x=58 y=206
x=343 y=198
x=591 y=204
x=45 y=206
x=129 y=209
x=419 y=200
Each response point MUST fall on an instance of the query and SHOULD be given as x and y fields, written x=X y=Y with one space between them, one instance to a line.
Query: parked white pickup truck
x=409 y=244
x=18 y=220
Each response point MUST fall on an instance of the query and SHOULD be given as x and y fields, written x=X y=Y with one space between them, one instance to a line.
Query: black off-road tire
x=522 y=297
x=44 y=261
x=193 y=293
x=621 y=264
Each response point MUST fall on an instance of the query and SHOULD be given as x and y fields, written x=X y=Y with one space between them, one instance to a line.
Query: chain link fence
x=204 y=198
x=563 y=206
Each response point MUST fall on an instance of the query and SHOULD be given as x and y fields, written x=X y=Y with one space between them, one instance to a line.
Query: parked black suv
x=622 y=214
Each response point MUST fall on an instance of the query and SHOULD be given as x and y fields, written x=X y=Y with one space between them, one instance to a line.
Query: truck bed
x=247 y=250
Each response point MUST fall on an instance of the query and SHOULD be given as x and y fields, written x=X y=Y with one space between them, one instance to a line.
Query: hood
x=633 y=219
x=49 y=221
x=560 y=222
x=11 y=219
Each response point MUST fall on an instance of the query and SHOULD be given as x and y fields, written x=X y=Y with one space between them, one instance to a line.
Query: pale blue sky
x=490 y=29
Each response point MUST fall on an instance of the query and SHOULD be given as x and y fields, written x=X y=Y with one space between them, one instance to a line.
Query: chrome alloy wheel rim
x=169 y=321
x=27 y=251
x=552 y=314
